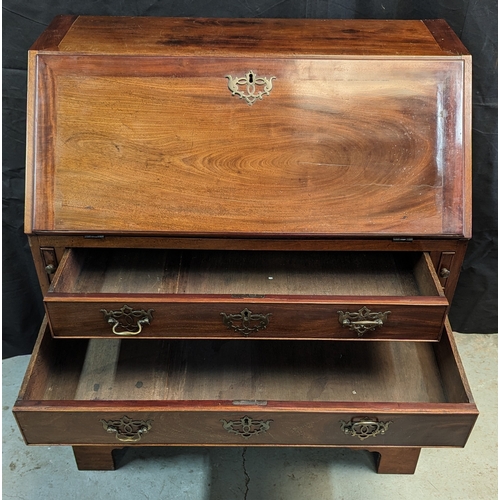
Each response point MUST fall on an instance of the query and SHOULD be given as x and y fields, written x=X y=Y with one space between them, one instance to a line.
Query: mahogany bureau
x=247 y=233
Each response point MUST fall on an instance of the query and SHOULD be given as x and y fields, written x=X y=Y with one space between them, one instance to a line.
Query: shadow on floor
x=255 y=473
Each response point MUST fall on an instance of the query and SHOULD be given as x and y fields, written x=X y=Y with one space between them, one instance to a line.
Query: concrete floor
x=262 y=474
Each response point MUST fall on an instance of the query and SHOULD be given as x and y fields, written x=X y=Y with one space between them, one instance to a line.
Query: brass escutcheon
x=246 y=427
x=246 y=322
x=250 y=81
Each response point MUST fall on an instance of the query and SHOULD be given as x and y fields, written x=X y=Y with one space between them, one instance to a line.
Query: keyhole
x=250 y=78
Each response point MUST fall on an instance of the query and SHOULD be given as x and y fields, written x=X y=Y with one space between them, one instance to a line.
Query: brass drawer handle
x=129 y=322
x=362 y=321
x=246 y=321
x=246 y=427
x=364 y=427
x=126 y=429
x=250 y=81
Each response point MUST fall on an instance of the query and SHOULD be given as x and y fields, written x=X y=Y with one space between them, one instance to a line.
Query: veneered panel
x=339 y=147
x=250 y=37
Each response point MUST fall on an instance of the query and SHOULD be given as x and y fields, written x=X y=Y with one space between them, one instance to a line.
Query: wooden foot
x=94 y=457
x=396 y=460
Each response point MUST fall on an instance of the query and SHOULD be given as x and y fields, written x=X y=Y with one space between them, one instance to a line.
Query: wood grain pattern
x=31 y=133
x=289 y=428
x=302 y=292
x=60 y=243
x=400 y=382
x=396 y=460
x=290 y=319
x=94 y=458
x=445 y=37
x=134 y=271
x=451 y=367
x=36 y=371
x=313 y=158
x=455 y=269
x=425 y=277
x=251 y=371
x=49 y=40
x=467 y=131
x=250 y=37
x=152 y=240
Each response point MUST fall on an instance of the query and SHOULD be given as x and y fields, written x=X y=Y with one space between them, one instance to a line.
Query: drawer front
x=246 y=427
x=410 y=319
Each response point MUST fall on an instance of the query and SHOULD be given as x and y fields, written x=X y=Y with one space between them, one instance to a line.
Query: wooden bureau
x=248 y=233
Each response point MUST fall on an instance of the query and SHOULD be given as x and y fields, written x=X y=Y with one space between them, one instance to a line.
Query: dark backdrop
x=475 y=21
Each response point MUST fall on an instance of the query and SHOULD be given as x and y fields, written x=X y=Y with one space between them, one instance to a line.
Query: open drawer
x=226 y=392
x=148 y=293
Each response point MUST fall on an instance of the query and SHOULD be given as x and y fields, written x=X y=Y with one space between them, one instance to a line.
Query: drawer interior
x=260 y=273
x=176 y=370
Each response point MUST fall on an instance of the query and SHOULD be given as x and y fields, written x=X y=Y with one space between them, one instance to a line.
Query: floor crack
x=247 y=477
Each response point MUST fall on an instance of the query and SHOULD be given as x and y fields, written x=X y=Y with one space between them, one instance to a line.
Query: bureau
x=247 y=233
